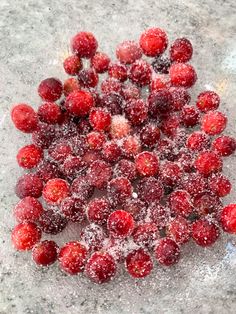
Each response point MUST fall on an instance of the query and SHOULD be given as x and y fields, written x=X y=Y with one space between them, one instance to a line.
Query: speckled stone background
x=34 y=38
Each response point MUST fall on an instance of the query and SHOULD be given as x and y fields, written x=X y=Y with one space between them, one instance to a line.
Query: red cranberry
x=88 y=78
x=167 y=252
x=79 y=103
x=159 y=82
x=147 y=164
x=24 y=118
x=44 y=135
x=100 y=62
x=167 y=149
x=29 y=184
x=180 y=97
x=45 y=253
x=119 y=190
x=214 y=122
x=52 y=222
x=145 y=234
x=161 y=65
x=139 y=263
x=208 y=162
x=28 y=209
x=84 y=44
x=113 y=102
x=181 y=50
x=140 y=73
x=72 y=65
x=150 y=189
x=82 y=188
x=150 y=135
x=73 y=209
x=204 y=232
x=170 y=125
x=136 y=208
x=224 y=145
x=219 y=184
x=93 y=235
x=72 y=257
x=72 y=166
x=190 y=116
x=180 y=203
x=47 y=171
x=50 y=89
x=118 y=71
x=90 y=156
x=128 y=52
x=55 y=190
x=170 y=173
x=198 y=141
x=136 y=111
x=179 y=230
x=29 y=156
x=49 y=113
x=120 y=127
x=120 y=224
x=96 y=140
x=131 y=146
x=25 y=235
x=59 y=151
x=99 y=173
x=111 y=85
x=206 y=203
x=158 y=214
x=98 y=210
x=130 y=91
x=111 y=151
x=228 y=218
x=70 y=85
x=194 y=183
x=153 y=42
x=160 y=102
x=185 y=160
x=100 y=267
x=207 y=101
x=79 y=144
x=100 y=119
x=125 y=168
x=182 y=74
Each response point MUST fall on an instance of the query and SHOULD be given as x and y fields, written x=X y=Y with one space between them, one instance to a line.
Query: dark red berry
x=160 y=102
x=111 y=85
x=125 y=168
x=198 y=141
x=181 y=50
x=25 y=235
x=219 y=184
x=100 y=62
x=180 y=203
x=182 y=74
x=93 y=236
x=73 y=208
x=228 y=218
x=204 y=232
x=118 y=71
x=88 y=78
x=45 y=253
x=170 y=125
x=82 y=188
x=29 y=184
x=153 y=42
x=145 y=234
x=206 y=203
x=24 y=118
x=49 y=113
x=44 y=135
x=119 y=190
x=194 y=183
x=60 y=150
x=52 y=222
x=139 y=263
x=29 y=156
x=84 y=44
x=170 y=173
x=158 y=214
x=70 y=85
x=161 y=65
x=207 y=101
x=167 y=252
x=190 y=116
x=130 y=91
x=179 y=230
x=111 y=151
x=180 y=97
x=150 y=135
x=136 y=111
x=128 y=52
x=113 y=102
x=136 y=208
x=50 y=89
x=99 y=173
x=120 y=224
x=28 y=209
x=98 y=210
x=150 y=190
x=140 y=73
x=224 y=145
x=72 y=166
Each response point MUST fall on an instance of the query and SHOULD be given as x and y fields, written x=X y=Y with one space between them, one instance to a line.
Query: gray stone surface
x=34 y=39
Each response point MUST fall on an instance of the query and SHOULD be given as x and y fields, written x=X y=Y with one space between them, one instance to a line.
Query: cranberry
x=70 y=85
x=170 y=125
x=139 y=263
x=150 y=135
x=100 y=62
x=79 y=144
x=72 y=257
x=72 y=65
x=99 y=173
x=73 y=209
x=125 y=168
x=120 y=224
x=161 y=65
x=159 y=82
x=198 y=141
x=180 y=203
x=180 y=97
x=119 y=190
x=28 y=209
x=219 y=184
x=182 y=74
x=160 y=102
x=29 y=156
x=79 y=103
x=44 y=135
x=29 y=184
x=84 y=44
x=185 y=160
x=100 y=267
x=96 y=140
x=55 y=190
x=170 y=173
x=49 y=113
x=90 y=156
x=181 y=50
x=128 y=52
x=111 y=85
x=113 y=102
x=206 y=203
x=228 y=218
x=50 y=89
x=147 y=164
x=224 y=145
x=207 y=101
x=120 y=127
x=204 y=232
x=45 y=253
x=140 y=73
x=179 y=230
x=208 y=162
x=72 y=166
x=100 y=119
x=25 y=235
x=82 y=188
x=88 y=78
x=194 y=183
x=167 y=252
x=98 y=211
x=136 y=208
x=111 y=151
x=130 y=91
x=52 y=222
x=145 y=234
x=59 y=151
x=214 y=122
x=47 y=170
x=158 y=214
x=131 y=146
x=93 y=235
x=136 y=111
x=118 y=71
x=24 y=118
x=190 y=116
x=167 y=149
x=153 y=42
x=150 y=189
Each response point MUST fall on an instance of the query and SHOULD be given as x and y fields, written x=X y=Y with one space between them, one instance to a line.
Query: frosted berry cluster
x=129 y=129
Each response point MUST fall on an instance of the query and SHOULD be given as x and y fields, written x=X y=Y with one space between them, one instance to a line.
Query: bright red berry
x=118 y=71
x=145 y=234
x=98 y=210
x=99 y=173
x=100 y=119
x=197 y=141
x=29 y=184
x=170 y=173
x=51 y=222
x=228 y=218
x=131 y=146
x=88 y=78
x=73 y=208
x=213 y=122
x=111 y=85
x=153 y=42
x=182 y=74
x=140 y=73
x=95 y=140
x=55 y=190
x=84 y=44
x=79 y=103
x=25 y=235
x=159 y=82
x=139 y=263
x=120 y=224
x=194 y=183
x=70 y=85
x=208 y=162
x=111 y=151
x=181 y=50
x=190 y=116
x=204 y=232
x=219 y=184
x=180 y=203
x=179 y=230
x=29 y=156
x=49 y=113
x=100 y=62
x=147 y=164
x=150 y=189
x=136 y=111
x=167 y=252
x=24 y=118
x=128 y=52
x=45 y=253
x=207 y=101
x=28 y=209
x=224 y=145
x=50 y=89
x=72 y=65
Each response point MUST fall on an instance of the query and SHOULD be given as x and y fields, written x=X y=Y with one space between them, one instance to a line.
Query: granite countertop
x=34 y=38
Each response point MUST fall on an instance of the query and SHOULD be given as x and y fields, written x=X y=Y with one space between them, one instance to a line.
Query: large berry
x=84 y=44
x=25 y=235
x=139 y=263
x=153 y=42
x=50 y=89
x=24 y=118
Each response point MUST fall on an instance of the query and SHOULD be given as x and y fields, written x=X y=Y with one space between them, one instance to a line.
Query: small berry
x=100 y=119
x=59 y=151
x=24 y=118
x=29 y=156
x=228 y=218
x=45 y=253
x=204 y=232
x=147 y=164
x=145 y=234
x=160 y=102
x=170 y=173
x=180 y=97
x=194 y=183
x=197 y=141
x=84 y=44
x=93 y=235
x=111 y=85
x=88 y=78
x=111 y=151
x=79 y=103
x=98 y=210
x=180 y=203
x=25 y=235
x=219 y=184
x=208 y=162
x=150 y=190
x=190 y=116
x=206 y=203
x=52 y=222
x=113 y=102
x=120 y=224
x=140 y=73
x=99 y=173
x=207 y=101
x=120 y=127
x=136 y=111
x=136 y=208
x=139 y=263
x=118 y=71
x=150 y=135
x=119 y=190
x=81 y=188
x=100 y=62
x=185 y=160
x=159 y=82
x=167 y=252
x=128 y=52
x=47 y=170
x=70 y=85
x=29 y=184
x=50 y=89
x=72 y=166
x=73 y=209
x=130 y=91
x=161 y=65
x=224 y=145
x=158 y=214
x=182 y=74
x=49 y=113
x=95 y=140
x=55 y=190
x=170 y=125
x=179 y=230
x=153 y=42
x=28 y=209
x=131 y=146
x=72 y=65
x=181 y=50
x=90 y=156
x=214 y=122
x=44 y=135
x=125 y=168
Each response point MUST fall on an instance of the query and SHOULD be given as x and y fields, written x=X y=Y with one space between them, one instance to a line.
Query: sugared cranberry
x=207 y=101
x=214 y=122
x=101 y=267
x=44 y=135
x=147 y=164
x=72 y=166
x=111 y=151
x=90 y=156
x=161 y=65
x=170 y=173
x=150 y=190
x=153 y=42
x=120 y=127
x=139 y=263
x=158 y=214
x=28 y=209
x=70 y=85
x=82 y=188
x=194 y=183
x=167 y=252
x=95 y=140
x=29 y=156
x=29 y=184
x=186 y=161
x=206 y=203
x=78 y=143
x=145 y=234
x=119 y=190
x=182 y=74
x=128 y=52
x=111 y=85
x=118 y=71
x=52 y=222
x=181 y=50
x=98 y=210
x=130 y=91
x=159 y=82
x=224 y=145
x=170 y=125
x=100 y=119
x=47 y=170
x=131 y=146
x=24 y=118
x=198 y=141
x=88 y=78
x=93 y=236
x=100 y=62
x=150 y=135
x=180 y=97
x=79 y=103
x=204 y=232
x=136 y=208
x=180 y=203
x=160 y=102
x=72 y=65
x=219 y=184
x=55 y=190
x=84 y=44
x=45 y=253
x=140 y=73
x=49 y=113
x=228 y=218
x=113 y=102
x=208 y=162
x=125 y=168
x=50 y=89
x=120 y=224
x=190 y=116
x=179 y=230
x=99 y=173
x=136 y=111
x=167 y=149
x=72 y=257
x=73 y=208
x=25 y=235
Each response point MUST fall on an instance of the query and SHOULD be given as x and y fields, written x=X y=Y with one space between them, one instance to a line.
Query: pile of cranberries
x=129 y=129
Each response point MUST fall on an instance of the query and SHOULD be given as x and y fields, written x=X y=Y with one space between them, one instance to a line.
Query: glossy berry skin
x=72 y=257
x=100 y=119
x=29 y=156
x=136 y=111
x=204 y=232
x=25 y=235
x=160 y=102
x=111 y=151
x=150 y=135
x=55 y=190
x=98 y=211
x=95 y=140
x=120 y=224
x=147 y=164
x=28 y=209
x=140 y=73
x=213 y=122
x=119 y=190
x=170 y=173
x=208 y=162
x=70 y=85
x=179 y=230
x=139 y=263
x=100 y=267
x=180 y=97
x=93 y=235
x=181 y=50
x=182 y=74
x=100 y=62
x=45 y=253
x=82 y=188
x=84 y=45
x=224 y=145
x=228 y=218
x=99 y=173
x=125 y=168
x=180 y=203
x=145 y=234
x=50 y=89
x=118 y=71
x=190 y=116
x=128 y=52
x=167 y=252
x=219 y=184
x=88 y=78
x=153 y=42
x=197 y=141
x=72 y=65
x=73 y=208
x=24 y=118
x=52 y=222
x=207 y=101
x=49 y=113
x=79 y=103
x=29 y=184
x=150 y=190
